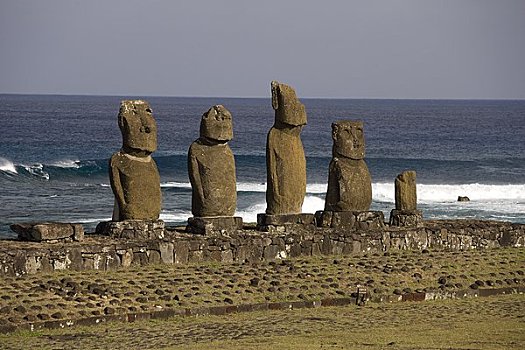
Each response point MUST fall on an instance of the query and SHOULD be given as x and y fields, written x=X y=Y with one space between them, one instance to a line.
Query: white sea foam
x=67 y=163
x=310 y=205
x=248 y=186
x=7 y=166
x=175 y=216
x=36 y=170
x=92 y=220
x=384 y=192
x=174 y=184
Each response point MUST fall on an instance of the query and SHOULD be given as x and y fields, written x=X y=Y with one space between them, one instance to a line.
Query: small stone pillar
x=134 y=176
x=406 y=213
x=285 y=163
x=349 y=193
x=211 y=168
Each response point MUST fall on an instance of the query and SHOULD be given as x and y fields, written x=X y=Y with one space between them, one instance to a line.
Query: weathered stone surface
x=134 y=176
x=406 y=218
x=211 y=166
x=285 y=222
x=132 y=229
x=217 y=224
x=350 y=220
x=405 y=190
x=285 y=159
x=47 y=231
x=349 y=181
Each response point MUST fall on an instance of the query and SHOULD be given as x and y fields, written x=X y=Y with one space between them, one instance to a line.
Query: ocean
x=54 y=152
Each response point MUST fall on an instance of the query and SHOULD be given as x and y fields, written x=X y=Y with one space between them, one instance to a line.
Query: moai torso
x=405 y=191
x=134 y=176
x=285 y=159
x=211 y=166
x=349 y=181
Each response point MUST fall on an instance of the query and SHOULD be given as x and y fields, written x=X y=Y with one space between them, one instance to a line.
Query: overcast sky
x=354 y=49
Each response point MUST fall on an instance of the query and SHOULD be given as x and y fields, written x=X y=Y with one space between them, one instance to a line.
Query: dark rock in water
x=463 y=199
x=285 y=159
x=48 y=231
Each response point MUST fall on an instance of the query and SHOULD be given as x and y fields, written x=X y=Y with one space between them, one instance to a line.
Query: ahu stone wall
x=97 y=252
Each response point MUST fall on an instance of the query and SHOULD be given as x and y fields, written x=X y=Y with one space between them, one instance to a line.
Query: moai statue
x=349 y=193
x=406 y=212
x=285 y=161
x=134 y=176
x=349 y=182
x=405 y=189
x=211 y=168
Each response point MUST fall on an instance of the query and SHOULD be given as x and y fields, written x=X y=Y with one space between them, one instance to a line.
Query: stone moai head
x=288 y=109
x=216 y=124
x=139 y=130
x=405 y=190
x=349 y=139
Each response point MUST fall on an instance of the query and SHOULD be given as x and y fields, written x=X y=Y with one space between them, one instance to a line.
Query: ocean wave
x=55 y=169
x=7 y=166
x=431 y=193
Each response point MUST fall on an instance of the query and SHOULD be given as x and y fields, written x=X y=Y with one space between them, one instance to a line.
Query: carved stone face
x=216 y=124
x=139 y=130
x=288 y=109
x=349 y=139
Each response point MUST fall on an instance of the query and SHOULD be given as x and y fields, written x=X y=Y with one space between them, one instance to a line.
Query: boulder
x=48 y=231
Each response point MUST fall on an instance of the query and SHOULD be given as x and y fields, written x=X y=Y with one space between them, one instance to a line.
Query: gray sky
x=370 y=49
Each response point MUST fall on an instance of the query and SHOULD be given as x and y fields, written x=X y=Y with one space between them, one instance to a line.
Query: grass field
x=496 y=322
x=485 y=323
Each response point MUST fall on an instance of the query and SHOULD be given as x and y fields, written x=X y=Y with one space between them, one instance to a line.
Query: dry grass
x=484 y=323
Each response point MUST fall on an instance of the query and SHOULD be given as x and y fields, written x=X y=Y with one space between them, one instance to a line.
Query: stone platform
x=214 y=225
x=132 y=229
x=408 y=218
x=285 y=222
x=102 y=252
x=48 y=231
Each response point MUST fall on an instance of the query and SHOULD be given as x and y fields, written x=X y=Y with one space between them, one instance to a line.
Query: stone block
x=48 y=231
x=132 y=229
x=350 y=220
x=214 y=224
x=284 y=222
x=166 y=252
x=406 y=218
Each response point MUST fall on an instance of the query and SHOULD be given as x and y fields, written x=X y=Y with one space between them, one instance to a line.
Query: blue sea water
x=54 y=152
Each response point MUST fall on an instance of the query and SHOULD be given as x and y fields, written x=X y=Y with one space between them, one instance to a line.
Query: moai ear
x=275 y=94
x=335 y=131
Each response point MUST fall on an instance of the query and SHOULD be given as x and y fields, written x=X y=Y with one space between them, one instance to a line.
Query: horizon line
x=268 y=97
